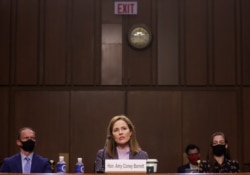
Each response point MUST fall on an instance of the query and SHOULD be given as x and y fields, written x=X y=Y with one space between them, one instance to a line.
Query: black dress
x=228 y=166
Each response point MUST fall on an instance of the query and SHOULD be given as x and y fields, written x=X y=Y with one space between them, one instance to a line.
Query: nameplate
x=131 y=165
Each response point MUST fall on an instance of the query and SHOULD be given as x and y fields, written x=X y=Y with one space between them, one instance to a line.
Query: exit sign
x=125 y=8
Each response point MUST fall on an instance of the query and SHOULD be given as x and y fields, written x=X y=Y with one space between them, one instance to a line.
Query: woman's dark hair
x=210 y=155
x=111 y=144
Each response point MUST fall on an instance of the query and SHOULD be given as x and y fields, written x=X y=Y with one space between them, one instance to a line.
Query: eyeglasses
x=193 y=154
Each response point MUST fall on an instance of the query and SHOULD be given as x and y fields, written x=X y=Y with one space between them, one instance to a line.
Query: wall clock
x=139 y=36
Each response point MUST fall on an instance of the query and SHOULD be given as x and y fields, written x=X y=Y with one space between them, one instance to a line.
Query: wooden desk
x=245 y=173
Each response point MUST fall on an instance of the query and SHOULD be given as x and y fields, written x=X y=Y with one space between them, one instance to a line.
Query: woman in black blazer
x=121 y=143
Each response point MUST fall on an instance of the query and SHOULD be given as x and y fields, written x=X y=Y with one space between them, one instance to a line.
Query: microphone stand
x=102 y=169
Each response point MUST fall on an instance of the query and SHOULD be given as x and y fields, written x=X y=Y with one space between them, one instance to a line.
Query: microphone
x=102 y=169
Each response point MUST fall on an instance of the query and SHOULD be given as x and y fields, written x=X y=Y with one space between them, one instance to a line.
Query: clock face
x=139 y=36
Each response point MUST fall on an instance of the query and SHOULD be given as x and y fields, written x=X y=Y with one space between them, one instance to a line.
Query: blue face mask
x=219 y=150
x=28 y=145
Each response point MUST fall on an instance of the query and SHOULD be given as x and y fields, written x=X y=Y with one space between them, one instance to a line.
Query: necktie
x=27 y=165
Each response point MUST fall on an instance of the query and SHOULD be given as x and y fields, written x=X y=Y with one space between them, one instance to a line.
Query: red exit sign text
x=125 y=8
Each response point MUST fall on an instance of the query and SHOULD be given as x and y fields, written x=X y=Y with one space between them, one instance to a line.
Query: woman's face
x=121 y=133
x=219 y=140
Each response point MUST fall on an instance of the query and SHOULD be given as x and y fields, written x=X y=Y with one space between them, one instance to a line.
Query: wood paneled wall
x=67 y=68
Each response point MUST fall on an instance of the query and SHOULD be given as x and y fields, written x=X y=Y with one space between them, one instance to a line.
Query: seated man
x=193 y=154
x=26 y=161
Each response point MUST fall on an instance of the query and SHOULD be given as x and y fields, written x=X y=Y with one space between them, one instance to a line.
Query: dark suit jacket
x=13 y=164
x=183 y=168
x=101 y=157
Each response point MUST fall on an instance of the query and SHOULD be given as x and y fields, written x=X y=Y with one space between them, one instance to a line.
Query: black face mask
x=219 y=150
x=28 y=145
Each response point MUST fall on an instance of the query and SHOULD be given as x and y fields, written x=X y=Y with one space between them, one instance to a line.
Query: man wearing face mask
x=26 y=161
x=193 y=154
x=218 y=158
